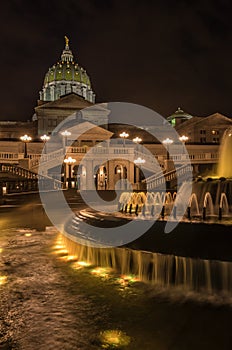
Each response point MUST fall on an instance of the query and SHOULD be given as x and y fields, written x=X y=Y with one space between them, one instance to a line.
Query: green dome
x=66 y=76
x=67 y=71
x=178 y=117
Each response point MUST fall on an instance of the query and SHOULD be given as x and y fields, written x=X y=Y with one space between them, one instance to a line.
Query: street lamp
x=124 y=135
x=183 y=138
x=45 y=138
x=69 y=161
x=137 y=140
x=167 y=142
x=65 y=134
x=139 y=161
x=25 y=139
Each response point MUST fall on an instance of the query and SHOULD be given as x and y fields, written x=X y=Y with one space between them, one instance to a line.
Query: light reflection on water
x=3 y=280
x=53 y=306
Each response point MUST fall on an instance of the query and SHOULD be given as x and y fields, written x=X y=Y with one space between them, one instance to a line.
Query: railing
x=58 y=154
x=14 y=156
x=193 y=157
x=80 y=149
x=204 y=157
x=161 y=178
x=44 y=158
x=112 y=150
x=9 y=156
x=16 y=170
x=46 y=182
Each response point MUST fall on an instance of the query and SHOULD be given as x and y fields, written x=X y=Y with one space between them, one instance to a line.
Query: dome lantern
x=67 y=55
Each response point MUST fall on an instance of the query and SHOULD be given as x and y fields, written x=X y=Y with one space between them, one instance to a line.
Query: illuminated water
x=225 y=164
x=57 y=296
x=167 y=271
x=52 y=302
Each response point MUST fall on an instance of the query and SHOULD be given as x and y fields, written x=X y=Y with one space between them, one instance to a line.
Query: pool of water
x=48 y=302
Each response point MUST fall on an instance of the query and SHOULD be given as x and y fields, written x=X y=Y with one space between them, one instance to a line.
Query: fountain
x=196 y=256
x=214 y=196
x=210 y=199
x=166 y=271
x=225 y=165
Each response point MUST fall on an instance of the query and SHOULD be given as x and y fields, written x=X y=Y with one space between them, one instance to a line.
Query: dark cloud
x=159 y=54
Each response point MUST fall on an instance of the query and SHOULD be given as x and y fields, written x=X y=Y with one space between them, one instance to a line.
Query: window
x=216 y=139
x=203 y=139
x=173 y=122
x=215 y=132
x=202 y=132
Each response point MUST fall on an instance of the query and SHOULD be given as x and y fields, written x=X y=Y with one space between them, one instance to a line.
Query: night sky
x=155 y=53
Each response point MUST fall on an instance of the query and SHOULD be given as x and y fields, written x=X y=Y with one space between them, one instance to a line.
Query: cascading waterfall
x=199 y=275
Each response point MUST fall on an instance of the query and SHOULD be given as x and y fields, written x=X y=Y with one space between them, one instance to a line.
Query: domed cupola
x=178 y=117
x=66 y=76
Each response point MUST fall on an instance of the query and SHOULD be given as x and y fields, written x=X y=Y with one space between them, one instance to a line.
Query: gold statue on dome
x=66 y=40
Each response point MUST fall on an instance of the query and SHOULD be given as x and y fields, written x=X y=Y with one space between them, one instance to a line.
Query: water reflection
x=3 y=280
x=112 y=339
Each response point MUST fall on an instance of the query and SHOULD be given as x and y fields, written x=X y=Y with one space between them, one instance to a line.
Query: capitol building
x=66 y=92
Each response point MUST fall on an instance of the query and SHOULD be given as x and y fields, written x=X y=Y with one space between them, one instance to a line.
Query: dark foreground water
x=49 y=303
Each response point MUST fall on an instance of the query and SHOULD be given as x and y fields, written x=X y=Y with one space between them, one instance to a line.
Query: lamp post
x=124 y=135
x=183 y=139
x=167 y=142
x=45 y=138
x=25 y=139
x=120 y=175
x=137 y=140
x=69 y=161
x=139 y=161
x=65 y=134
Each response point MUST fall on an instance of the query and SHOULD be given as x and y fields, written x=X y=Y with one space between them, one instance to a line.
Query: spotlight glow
x=114 y=339
x=83 y=263
x=80 y=265
x=69 y=258
x=3 y=280
x=125 y=280
x=59 y=246
x=61 y=251
x=101 y=272
x=27 y=234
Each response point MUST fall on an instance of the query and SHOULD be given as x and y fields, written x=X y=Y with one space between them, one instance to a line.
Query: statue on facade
x=66 y=40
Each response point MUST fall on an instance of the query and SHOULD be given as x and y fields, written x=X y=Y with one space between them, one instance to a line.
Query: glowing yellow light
x=61 y=251
x=59 y=246
x=80 y=265
x=1 y=250
x=114 y=338
x=127 y=279
x=75 y=266
x=101 y=271
x=83 y=263
x=3 y=279
x=69 y=257
x=27 y=234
